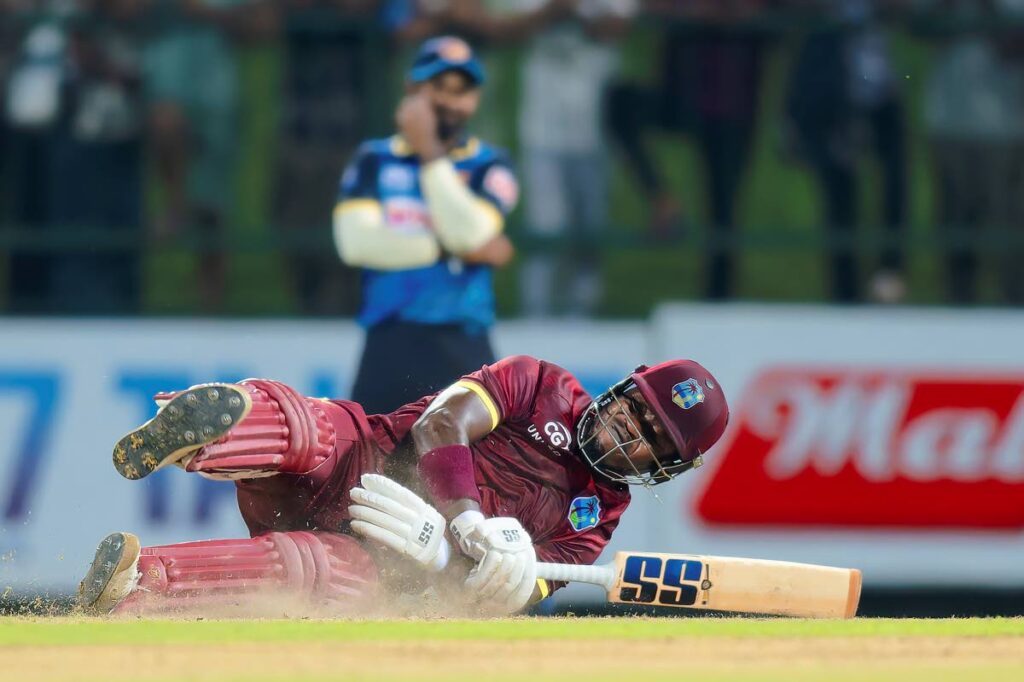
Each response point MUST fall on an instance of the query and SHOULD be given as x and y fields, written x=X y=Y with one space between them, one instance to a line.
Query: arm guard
x=463 y=221
x=363 y=239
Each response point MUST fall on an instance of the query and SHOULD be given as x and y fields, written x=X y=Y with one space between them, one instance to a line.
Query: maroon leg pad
x=218 y=576
x=284 y=433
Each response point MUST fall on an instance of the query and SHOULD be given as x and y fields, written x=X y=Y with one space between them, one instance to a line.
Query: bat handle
x=568 y=573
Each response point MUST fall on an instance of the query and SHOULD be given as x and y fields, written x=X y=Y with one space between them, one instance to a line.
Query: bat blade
x=756 y=586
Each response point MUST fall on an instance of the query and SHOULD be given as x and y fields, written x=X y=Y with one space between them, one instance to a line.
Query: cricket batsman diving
x=515 y=461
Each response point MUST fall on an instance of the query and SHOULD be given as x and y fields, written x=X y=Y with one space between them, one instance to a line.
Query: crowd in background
x=121 y=119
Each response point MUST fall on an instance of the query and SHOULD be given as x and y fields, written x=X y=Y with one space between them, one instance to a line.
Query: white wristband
x=462 y=526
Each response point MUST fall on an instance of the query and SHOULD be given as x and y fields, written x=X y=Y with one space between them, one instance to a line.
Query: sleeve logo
x=502 y=185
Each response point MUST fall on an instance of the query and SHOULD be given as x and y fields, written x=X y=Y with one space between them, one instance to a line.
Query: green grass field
x=591 y=649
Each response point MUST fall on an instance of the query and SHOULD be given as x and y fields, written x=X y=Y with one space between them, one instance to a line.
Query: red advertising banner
x=872 y=448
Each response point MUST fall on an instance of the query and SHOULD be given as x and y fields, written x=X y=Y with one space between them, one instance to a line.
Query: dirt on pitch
x=624 y=660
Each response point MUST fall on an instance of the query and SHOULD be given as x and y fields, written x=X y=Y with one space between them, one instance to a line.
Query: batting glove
x=506 y=573
x=399 y=519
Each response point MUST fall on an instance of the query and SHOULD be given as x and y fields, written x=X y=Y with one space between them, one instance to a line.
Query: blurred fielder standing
x=422 y=213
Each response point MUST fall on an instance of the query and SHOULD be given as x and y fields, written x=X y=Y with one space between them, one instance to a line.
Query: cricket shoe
x=112 y=575
x=188 y=421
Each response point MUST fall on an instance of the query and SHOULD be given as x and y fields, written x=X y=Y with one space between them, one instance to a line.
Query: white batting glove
x=399 y=519
x=471 y=528
x=506 y=572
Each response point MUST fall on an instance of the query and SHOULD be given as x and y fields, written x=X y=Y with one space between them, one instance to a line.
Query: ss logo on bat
x=649 y=580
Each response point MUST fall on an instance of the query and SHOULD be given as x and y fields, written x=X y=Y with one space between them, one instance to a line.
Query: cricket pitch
x=527 y=649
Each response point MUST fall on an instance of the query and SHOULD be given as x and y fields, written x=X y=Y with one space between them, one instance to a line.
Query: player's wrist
x=463 y=527
x=468 y=519
x=459 y=506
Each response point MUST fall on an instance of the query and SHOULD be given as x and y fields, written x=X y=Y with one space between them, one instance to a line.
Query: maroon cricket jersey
x=528 y=467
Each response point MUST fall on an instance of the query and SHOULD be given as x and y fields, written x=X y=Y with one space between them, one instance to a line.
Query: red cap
x=688 y=401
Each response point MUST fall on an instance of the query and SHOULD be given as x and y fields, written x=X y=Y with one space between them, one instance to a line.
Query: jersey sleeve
x=359 y=181
x=496 y=183
x=510 y=386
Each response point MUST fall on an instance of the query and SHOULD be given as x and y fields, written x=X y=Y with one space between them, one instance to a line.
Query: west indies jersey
x=528 y=467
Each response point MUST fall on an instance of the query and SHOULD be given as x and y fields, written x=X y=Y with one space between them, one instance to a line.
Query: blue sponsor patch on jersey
x=397 y=178
x=584 y=513
x=687 y=394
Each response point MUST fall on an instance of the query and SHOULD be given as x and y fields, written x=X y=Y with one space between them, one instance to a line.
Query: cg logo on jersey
x=558 y=435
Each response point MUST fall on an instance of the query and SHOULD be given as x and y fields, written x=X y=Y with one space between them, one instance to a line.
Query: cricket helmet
x=688 y=403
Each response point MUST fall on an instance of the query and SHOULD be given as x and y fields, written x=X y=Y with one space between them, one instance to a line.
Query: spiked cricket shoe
x=112 y=575
x=188 y=421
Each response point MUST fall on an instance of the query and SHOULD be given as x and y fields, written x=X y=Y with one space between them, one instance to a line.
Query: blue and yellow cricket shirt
x=449 y=291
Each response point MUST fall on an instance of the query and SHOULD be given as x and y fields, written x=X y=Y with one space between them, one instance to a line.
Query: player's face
x=627 y=440
x=455 y=98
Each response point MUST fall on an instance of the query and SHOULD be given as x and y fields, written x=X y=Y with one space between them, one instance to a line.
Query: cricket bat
x=755 y=586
